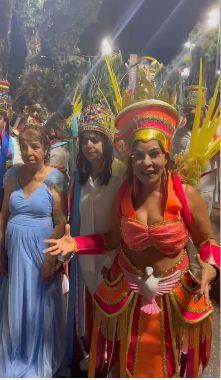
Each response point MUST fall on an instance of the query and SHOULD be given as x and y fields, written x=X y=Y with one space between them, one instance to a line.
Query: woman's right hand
x=3 y=264
x=62 y=246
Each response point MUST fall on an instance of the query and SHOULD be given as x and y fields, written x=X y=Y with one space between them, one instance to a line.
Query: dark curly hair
x=42 y=137
x=84 y=166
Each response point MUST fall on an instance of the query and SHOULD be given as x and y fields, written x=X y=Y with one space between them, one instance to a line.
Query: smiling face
x=92 y=145
x=148 y=161
x=32 y=148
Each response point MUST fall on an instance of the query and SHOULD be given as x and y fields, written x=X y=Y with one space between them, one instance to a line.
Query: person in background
x=32 y=310
x=95 y=181
x=181 y=141
x=34 y=113
x=6 y=143
x=152 y=317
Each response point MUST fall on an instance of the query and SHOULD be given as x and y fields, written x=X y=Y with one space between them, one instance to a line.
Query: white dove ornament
x=149 y=287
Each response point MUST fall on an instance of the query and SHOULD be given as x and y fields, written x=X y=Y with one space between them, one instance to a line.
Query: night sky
x=147 y=27
x=158 y=28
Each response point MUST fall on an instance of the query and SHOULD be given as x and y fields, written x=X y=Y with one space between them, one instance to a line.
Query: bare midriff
x=153 y=258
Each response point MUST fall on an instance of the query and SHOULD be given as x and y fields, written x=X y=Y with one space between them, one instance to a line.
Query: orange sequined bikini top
x=169 y=236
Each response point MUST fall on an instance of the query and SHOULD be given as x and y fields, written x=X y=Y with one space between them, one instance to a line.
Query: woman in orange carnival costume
x=152 y=317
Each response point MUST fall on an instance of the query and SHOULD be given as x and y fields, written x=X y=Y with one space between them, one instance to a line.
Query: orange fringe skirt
x=173 y=343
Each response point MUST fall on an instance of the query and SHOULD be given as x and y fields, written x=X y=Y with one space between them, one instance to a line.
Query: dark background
x=158 y=28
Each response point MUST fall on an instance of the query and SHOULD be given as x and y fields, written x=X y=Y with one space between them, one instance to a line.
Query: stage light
x=213 y=18
x=106 y=48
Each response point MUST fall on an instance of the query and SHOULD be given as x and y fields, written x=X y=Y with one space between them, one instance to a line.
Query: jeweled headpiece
x=5 y=101
x=191 y=95
x=35 y=114
x=96 y=117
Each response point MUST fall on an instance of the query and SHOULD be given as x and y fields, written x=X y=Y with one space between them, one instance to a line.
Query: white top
x=96 y=204
x=17 y=153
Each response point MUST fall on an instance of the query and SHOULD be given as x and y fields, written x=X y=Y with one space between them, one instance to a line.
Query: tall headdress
x=5 y=101
x=191 y=96
x=203 y=143
x=147 y=120
x=145 y=112
x=35 y=114
x=98 y=118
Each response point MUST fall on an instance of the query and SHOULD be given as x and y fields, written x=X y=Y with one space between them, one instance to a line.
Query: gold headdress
x=35 y=114
x=143 y=111
x=202 y=145
x=191 y=96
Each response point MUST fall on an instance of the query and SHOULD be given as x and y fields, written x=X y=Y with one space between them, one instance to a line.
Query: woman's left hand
x=208 y=274
x=62 y=246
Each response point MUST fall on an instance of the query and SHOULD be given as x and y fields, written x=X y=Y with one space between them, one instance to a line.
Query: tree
x=206 y=47
x=6 y=11
x=53 y=64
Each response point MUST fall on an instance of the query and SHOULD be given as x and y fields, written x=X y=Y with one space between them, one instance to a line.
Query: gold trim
x=137 y=341
x=141 y=273
x=84 y=128
x=147 y=134
x=190 y=291
x=116 y=300
x=131 y=318
x=188 y=308
x=114 y=282
x=182 y=257
x=174 y=303
x=119 y=311
x=150 y=102
x=171 y=221
x=172 y=333
x=163 y=344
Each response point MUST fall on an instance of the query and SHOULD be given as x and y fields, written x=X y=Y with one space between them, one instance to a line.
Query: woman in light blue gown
x=32 y=318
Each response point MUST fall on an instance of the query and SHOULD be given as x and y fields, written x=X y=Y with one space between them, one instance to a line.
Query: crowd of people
x=95 y=270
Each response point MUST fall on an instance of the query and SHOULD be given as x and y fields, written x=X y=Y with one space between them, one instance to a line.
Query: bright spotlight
x=187 y=44
x=106 y=48
x=185 y=72
x=213 y=18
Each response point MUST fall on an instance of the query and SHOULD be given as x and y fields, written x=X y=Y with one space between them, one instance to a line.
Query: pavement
x=213 y=369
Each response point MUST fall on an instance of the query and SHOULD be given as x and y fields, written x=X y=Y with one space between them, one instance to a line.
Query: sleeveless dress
x=32 y=317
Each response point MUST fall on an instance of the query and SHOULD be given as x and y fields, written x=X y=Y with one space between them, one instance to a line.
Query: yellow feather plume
x=202 y=148
x=114 y=84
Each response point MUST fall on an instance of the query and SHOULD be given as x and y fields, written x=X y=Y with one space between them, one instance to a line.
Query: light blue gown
x=32 y=327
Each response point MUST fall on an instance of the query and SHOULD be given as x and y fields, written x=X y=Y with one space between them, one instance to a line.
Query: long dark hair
x=84 y=166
